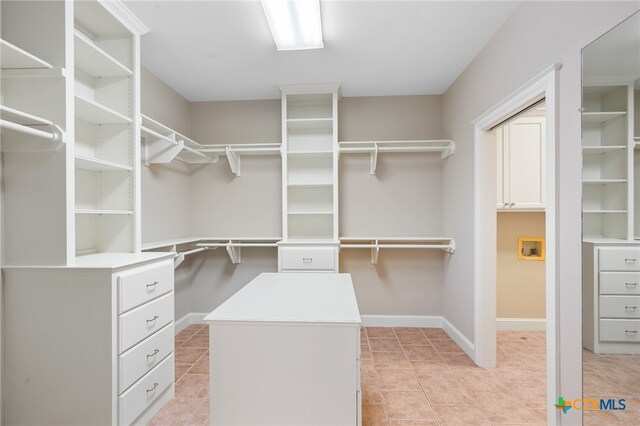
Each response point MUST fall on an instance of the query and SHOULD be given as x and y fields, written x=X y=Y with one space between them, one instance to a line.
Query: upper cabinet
x=520 y=175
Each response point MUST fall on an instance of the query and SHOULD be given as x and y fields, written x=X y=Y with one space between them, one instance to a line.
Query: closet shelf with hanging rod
x=163 y=145
x=192 y=245
x=445 y=244
x=25 y=123
x=446 y=148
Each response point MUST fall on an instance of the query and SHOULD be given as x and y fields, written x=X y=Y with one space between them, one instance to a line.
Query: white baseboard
x=459 y=338
x=401 y=321
x=521 y=324
x=187 y=320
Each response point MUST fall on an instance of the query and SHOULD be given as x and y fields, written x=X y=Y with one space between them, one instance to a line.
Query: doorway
x=541 y=87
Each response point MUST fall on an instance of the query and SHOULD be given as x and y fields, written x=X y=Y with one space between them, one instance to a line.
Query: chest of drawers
x=611 y=298
x=89 y=344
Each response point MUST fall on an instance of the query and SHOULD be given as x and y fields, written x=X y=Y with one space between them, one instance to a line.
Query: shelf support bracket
x=234 y=160
x=375 y=252
x=448 y=152
x=450 y=248
x=235 y=253
x=374 y=159
x=178 y=260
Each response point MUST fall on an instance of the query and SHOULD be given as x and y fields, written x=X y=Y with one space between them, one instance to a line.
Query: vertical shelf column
x=310 y=177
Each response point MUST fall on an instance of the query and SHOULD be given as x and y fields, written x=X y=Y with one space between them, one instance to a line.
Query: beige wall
x=520 y=283
x=536 y=36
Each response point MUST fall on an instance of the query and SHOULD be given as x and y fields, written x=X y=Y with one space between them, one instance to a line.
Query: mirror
x=611 y=226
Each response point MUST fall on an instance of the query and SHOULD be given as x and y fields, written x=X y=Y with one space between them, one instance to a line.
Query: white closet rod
x=393 y=149
x=197 y=152
x=210 y=245
x=29 y=130
x=192 y=251
x=398 y=246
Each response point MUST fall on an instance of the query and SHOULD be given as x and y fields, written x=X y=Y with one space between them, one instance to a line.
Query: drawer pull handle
x=153 y=354
x=631 y=307
x=631 y=331
x=307 y=260
x=152 y=319
x=630 y=260
x=155 y=385
x=152 y=285
x=631 y=284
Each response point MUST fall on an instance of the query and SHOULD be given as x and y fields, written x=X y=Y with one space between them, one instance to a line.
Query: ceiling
x=223 y=50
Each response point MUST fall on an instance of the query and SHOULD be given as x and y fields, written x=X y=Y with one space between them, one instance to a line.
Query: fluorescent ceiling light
x=295 y=24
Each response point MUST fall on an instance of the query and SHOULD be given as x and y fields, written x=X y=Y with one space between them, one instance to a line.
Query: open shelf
x=602 y=181
x=94 y=19
x=104 y=212
x=92 y=112
x=310 y=212
x=603 y=211
x=601 y=117
x=12 y=57
x=310 y=185
x=96 y=165
x=310 y=153
x=94 y=61
x=602 y=149
x=446 y=244
x=310 y=123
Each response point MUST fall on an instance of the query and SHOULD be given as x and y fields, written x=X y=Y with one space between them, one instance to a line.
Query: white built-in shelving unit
x=446 y=244
x=309 y=162
x=607 y=153
x=106 y=100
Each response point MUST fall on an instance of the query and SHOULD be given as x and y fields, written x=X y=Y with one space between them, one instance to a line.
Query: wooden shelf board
x=310 y=123
x=602 y=149
x=310 y=185
x=603 y=211
x=96 y=165
x=93 y=112
x=601 y=117
x=603 y=181
x=91 y=59
x=12 y=57
x=104 y=212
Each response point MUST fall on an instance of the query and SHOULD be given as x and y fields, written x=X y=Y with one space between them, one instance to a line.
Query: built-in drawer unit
x=308 y=259
x=137 y=361
x=620 y=306
x=620 y=330
x=620 y=283
x=620 y=259
x=135 y=400
x=145 y=320
x=140 y=285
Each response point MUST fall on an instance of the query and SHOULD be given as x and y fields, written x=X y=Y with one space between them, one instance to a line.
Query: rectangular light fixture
x=295 y=24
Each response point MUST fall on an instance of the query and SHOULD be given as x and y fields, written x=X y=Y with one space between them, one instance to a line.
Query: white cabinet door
x=521 y=162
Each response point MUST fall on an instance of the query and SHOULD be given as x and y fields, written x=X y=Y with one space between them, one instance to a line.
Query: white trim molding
x=459 y=338
x=187 y=320
x=521 y=324
x=543 y=85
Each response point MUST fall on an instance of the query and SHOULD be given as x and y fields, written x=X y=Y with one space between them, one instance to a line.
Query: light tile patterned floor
x=413 y=376
x=612 y=376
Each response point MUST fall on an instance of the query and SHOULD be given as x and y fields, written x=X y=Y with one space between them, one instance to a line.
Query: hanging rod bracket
x=375 y=253
x=451 y=247
x=374 y=159
x=234 y=160
x=235 y=252
x=448 y=152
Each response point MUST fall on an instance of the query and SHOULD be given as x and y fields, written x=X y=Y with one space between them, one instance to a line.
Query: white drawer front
x=140 y=285
x=139 y=396
x=137 y=361
x=620 y=330
x=145 y=320
x=620 y=283
x=619 y=306
x=308 y=258
x=620 y=259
